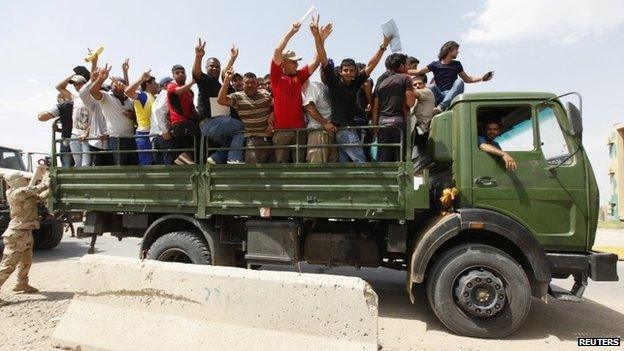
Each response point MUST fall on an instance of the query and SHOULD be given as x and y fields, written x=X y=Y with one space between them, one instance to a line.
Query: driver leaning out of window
x=486 y=143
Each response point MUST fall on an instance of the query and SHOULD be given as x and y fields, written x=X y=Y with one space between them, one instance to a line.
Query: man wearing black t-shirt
x=343 y=92
x=63 y=111
x=217 y=128
x=445 y=72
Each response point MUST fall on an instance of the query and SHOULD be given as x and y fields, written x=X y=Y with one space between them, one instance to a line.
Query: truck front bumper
x=599 y=266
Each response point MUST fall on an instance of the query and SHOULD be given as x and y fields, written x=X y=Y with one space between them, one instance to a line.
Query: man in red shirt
x=181 y=117
x=286 y=83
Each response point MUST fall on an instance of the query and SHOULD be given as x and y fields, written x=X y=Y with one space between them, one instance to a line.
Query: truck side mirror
x=575 y=120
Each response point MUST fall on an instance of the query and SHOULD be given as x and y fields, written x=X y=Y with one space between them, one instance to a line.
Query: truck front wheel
x=479 y=291
x=183 y=247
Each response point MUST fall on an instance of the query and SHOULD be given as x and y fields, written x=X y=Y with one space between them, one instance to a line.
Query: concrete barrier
x=128 y=304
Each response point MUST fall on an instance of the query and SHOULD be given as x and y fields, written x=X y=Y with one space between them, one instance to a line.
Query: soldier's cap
x=290 y=56
x=13 y=177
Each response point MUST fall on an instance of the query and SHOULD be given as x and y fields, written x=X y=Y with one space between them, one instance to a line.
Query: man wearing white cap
x=286 y=84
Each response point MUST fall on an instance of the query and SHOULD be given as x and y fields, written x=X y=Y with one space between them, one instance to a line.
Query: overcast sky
x=555 y=46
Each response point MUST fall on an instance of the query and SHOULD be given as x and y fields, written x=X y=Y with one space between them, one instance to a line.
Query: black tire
x=48 y=236
x=183 y=247
x=457 y=265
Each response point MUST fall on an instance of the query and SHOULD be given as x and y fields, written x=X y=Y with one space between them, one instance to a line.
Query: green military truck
x=483 y=256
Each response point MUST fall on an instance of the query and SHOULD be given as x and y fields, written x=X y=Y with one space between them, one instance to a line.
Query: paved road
x=402 y=326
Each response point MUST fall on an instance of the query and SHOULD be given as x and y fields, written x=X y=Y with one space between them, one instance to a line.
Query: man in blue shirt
x=488 y=144
x=445 y=73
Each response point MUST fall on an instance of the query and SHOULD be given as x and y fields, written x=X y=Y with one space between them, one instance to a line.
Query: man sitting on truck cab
x=445 y=72
x=254 y=108
x=488 y=144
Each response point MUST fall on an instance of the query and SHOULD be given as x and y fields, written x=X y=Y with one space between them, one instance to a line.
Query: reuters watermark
x=598 y=341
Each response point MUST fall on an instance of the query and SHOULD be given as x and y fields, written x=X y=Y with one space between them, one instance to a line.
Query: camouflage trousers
x=18 y=254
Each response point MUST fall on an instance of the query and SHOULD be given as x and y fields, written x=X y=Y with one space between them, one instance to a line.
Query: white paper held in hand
x=307 y=14
x=389 y=28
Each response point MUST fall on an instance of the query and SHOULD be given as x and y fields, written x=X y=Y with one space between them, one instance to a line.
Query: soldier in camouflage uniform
x=23 y=198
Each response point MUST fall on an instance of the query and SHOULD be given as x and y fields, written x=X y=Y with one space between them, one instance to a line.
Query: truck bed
x=365 y=190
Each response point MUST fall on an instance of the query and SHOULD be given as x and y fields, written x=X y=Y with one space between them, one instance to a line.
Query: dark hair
x=144 y=84
x=250 y=75
x=412 y=59
x=360 y=66
x=348 y=62
x=177 y=67
x=394 y=61
x=237 y=76
x=423 y=78
x=213 y=59
x=492 y=121
x=448 y=46
x=268 y=76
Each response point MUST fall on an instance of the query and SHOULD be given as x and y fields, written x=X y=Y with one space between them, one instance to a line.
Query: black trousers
x=390 y=136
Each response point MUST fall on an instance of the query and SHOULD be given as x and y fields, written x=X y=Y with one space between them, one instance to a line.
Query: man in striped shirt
x=255 y=109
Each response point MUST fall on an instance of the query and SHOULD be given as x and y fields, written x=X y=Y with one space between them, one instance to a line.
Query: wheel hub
x=480 y=293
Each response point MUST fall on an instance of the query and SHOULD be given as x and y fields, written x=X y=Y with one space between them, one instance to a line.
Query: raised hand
x=146 y=76
x=126 y=65
x=234 y=52
x=326 y=30
x=314 y=25
x=229 y=73
x=386 y=41
x=294 y=28
x=103 y=74
x=200 y=48
x=96 y=74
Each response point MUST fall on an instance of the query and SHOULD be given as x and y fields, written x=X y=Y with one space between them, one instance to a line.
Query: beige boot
x=25 y=288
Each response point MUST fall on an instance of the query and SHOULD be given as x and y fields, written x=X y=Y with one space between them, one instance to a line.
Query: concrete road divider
x=128 y=304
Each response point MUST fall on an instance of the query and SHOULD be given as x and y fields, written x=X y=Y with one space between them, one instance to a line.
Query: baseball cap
x=164 y=81
x=77 y=78
x=290 y=55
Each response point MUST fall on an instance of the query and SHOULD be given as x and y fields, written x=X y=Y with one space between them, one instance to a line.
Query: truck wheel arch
x=492 y=225
x=222 y=255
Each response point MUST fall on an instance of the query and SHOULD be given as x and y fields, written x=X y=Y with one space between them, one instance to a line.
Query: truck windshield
x=11 y=159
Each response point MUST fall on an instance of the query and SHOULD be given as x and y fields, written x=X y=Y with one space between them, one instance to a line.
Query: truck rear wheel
x=183 y=247
x=48 y=236
x=479 y=291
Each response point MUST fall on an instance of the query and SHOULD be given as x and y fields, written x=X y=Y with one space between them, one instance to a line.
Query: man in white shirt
x=118 y=112
x=317 y=105
x=160 y=121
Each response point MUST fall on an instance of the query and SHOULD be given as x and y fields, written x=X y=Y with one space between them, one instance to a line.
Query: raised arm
x=62 y=88
x=185 y=88
x=370 y=66
x=131 y=90
x=473 y=79
x=125 y=67
x=281 y=45
x=230 y=64
x=200 y=51
x=223 y=97
x=319 y=43
x=101 y=75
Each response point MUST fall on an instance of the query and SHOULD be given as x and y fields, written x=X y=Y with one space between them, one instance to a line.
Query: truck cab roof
x=489 y=96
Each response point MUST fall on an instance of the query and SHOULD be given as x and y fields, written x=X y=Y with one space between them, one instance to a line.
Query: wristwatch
x=383 y=48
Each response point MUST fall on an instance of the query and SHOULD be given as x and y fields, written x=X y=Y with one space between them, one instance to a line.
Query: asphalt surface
x=402 y=325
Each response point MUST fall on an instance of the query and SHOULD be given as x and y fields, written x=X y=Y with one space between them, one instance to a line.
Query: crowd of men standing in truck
x=256 y=119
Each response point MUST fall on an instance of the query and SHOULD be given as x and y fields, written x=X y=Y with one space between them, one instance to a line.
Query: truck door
x=545 y=195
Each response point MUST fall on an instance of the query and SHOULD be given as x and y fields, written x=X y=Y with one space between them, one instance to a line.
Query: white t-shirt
x=117 y=124
x=81 y=118
x=160 y=114
x=318 y=93
x=98 y=123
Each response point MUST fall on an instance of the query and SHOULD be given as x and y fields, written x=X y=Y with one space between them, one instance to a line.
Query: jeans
x=144 y=143
x=220 y=129
x=390 y=136
x=77 y=146
x=122 y=159
x=66 y=160
x=444 y=98
x=349 y=153
x=157 y=144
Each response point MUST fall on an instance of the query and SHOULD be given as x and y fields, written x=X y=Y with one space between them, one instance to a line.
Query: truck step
x=565 y=296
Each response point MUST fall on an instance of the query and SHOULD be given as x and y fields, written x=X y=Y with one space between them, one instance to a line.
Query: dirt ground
x=28 y=321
